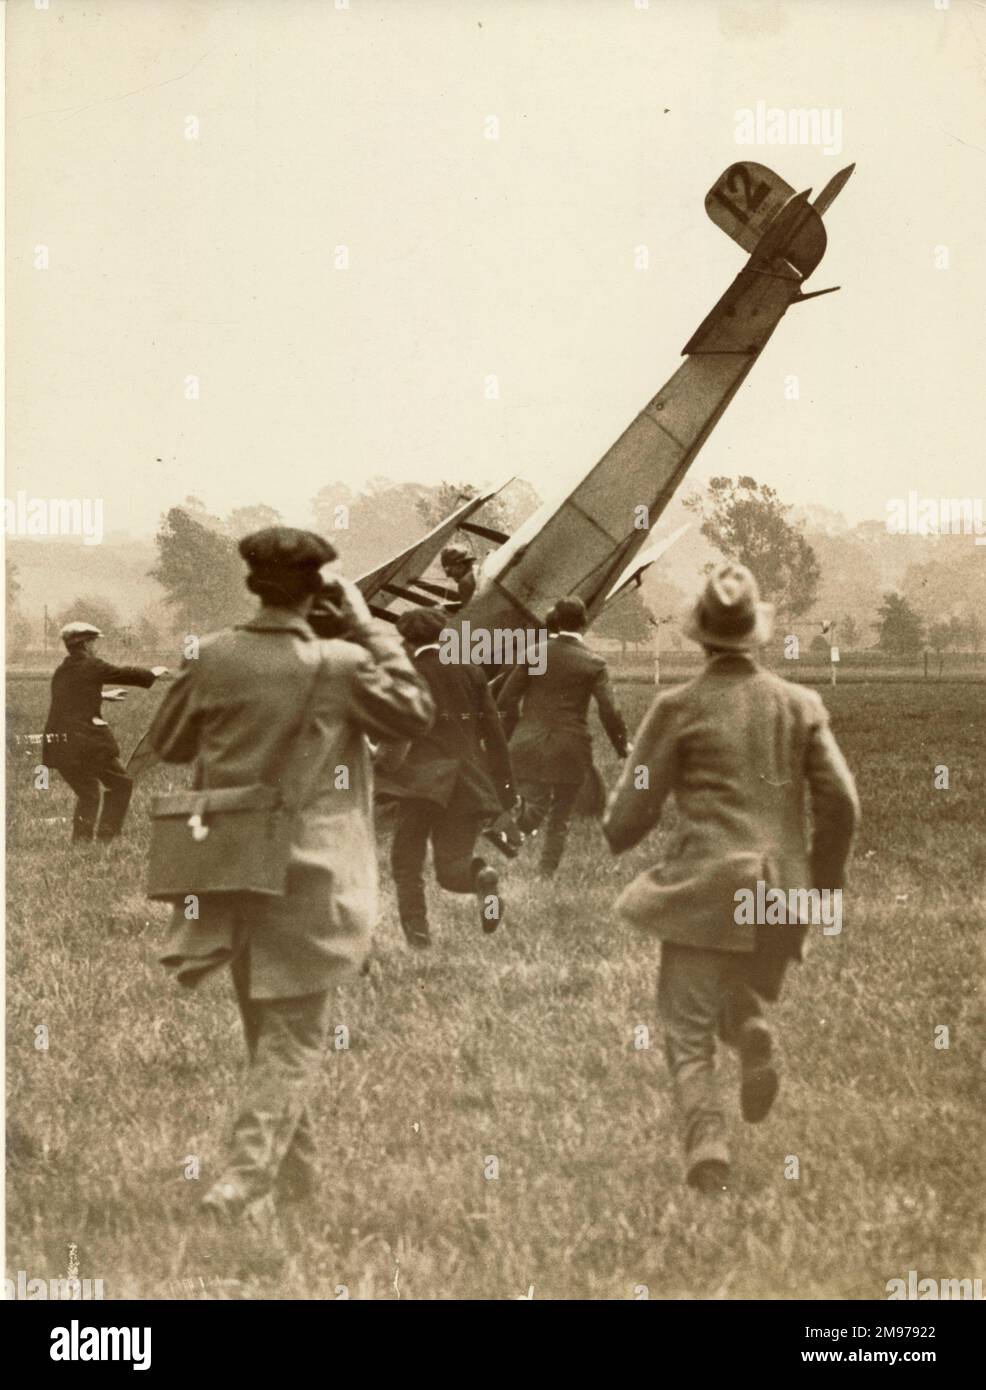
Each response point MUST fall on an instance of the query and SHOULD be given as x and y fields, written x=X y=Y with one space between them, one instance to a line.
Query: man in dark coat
x=448 y=783
x=80 y=744
x=551 y=746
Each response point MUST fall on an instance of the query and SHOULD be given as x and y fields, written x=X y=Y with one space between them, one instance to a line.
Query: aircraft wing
x=634 y=571
x=401 y=576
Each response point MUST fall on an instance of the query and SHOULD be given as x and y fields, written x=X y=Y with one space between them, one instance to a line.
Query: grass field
x=518 y=1046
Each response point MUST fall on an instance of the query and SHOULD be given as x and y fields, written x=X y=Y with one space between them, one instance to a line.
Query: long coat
x=552 y=742
x=462 y=761
x=743 y=752
x=77 y=732
x=235 y=711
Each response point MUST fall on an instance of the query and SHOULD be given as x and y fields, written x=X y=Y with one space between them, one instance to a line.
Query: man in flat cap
x=79 y=743
x=258 y=699
x=743 y=752
x=548 y=717
x=448 y=782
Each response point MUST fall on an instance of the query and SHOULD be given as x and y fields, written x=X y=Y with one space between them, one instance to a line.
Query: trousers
x=86 y=782
x=701 y=995
x=552 y=802
x=452 y=835
x=273 y=1145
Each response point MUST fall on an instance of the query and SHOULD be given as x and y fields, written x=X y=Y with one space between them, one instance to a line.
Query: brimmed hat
x=729 y=614
x=78 y=632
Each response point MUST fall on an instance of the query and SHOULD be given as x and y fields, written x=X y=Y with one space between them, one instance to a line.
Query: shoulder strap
x=302 y=770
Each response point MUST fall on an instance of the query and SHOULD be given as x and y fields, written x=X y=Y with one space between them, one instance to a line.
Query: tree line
x=200 y=572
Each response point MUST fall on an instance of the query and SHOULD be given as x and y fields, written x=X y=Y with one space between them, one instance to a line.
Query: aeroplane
x=593 y=543
x=586 y=543
x=582 y=545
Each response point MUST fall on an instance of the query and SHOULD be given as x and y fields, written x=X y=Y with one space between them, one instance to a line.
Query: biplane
x=597 y=540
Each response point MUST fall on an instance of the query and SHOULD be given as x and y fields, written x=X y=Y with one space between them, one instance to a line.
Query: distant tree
x=147 y=633
x=18 y=634
x=368 y=526
x=625 y=619
x=330 y=506
x=820 y=645
x=949 y=583
x=200 y=572
x=974 y=627
x=900 y=629
x=939 y=637
x=89 y=608
x=747 y=522
x=849 y=631
x=440 y=501
x=197 y=510
x=242 y=521
x=959 y=635
x=12 y=581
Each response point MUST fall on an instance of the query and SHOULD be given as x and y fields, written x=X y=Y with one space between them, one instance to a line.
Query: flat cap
x=284 y=547
x=78 y=632
x=422 y=626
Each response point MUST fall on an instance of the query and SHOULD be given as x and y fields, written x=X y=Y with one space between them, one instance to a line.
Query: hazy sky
x=365 y=127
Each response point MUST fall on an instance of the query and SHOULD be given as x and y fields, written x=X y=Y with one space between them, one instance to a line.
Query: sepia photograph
x=495 y=562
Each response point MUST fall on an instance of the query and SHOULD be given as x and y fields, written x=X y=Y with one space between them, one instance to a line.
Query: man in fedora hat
x=743 y=752
x=79 y=744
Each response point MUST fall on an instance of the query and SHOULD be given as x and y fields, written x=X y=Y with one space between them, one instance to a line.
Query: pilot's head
x=457 y=561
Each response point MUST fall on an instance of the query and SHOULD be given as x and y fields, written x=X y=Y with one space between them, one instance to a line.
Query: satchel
x=230 y=839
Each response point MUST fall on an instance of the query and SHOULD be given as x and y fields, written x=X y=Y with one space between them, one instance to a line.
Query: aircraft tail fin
x=744 y=201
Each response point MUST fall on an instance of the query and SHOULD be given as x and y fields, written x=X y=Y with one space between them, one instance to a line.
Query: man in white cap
x=79 y=743
x=743 y=752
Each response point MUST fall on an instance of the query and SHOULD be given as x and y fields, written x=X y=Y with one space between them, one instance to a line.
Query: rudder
x=744 y=200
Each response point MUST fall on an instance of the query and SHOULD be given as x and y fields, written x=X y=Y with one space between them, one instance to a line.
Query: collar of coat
x=742 y=659
x=278 y=620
